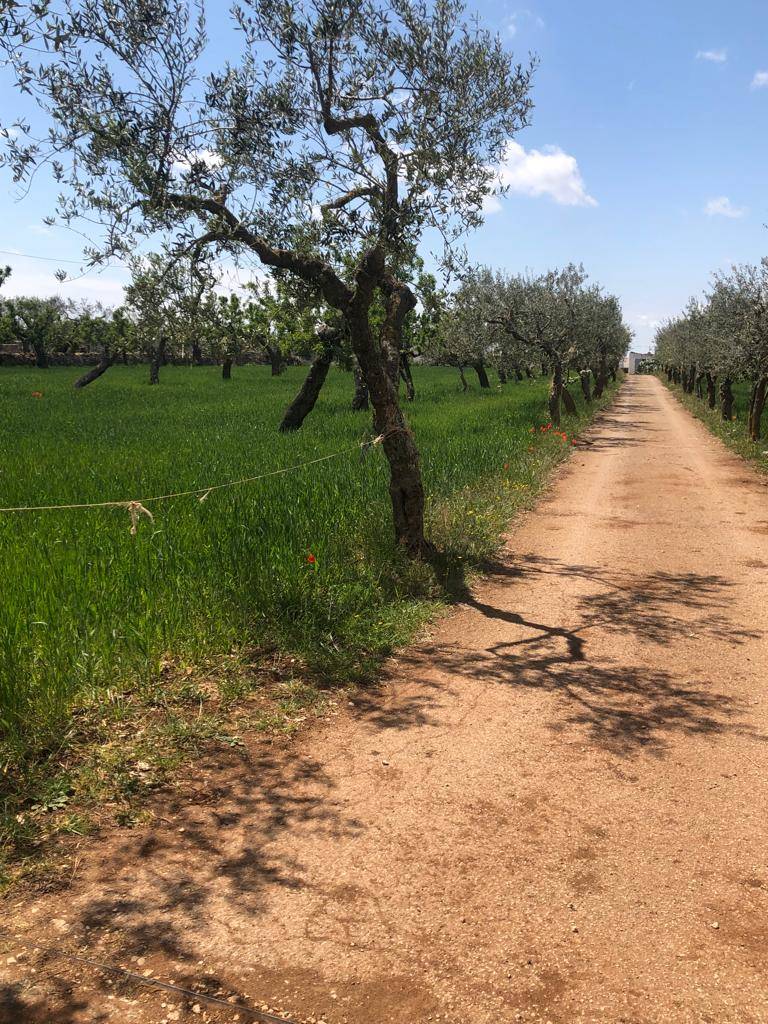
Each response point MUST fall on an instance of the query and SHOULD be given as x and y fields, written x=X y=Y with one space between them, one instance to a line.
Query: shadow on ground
x=211 y=856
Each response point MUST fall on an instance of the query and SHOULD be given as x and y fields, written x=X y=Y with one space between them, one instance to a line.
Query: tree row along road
x=553 y=809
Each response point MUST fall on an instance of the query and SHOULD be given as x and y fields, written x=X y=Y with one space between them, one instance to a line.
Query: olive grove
x=720 y=339
x=336 y=133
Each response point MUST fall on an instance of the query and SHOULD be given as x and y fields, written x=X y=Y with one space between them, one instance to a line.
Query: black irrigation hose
x=260 y=1015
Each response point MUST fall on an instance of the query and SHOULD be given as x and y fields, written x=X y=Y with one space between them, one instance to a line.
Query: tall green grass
x=733 y=433
x=89 y=613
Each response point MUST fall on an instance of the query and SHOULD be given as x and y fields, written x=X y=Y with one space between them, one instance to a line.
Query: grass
x=120 y=655
x=733 y=433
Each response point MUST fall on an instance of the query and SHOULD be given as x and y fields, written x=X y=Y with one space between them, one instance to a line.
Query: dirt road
x=555 y=809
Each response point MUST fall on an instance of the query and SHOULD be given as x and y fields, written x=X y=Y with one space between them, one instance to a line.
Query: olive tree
x=543 y=312
x=324 y=147
x=745 y=291
x=725 y=337
x=152 y=299
x=474 y=331
x=108 y=331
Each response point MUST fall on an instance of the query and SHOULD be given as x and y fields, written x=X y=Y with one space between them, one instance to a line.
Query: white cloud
x=515 y=19
x=714 y=56
x=760 y=81
x=107 y=290
x=721 y=206
x=541 y=172
x=646 y=320
x=205 y=156
x=491 y=204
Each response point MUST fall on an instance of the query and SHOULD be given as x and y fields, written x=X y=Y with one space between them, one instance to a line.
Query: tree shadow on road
x=622 y=701
x=207 y=858
x=215 y=853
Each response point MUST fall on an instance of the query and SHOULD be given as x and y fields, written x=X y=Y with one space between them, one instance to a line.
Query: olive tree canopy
x=335 y=134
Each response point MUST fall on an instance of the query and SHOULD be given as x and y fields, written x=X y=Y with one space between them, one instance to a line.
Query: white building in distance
x=631 y=359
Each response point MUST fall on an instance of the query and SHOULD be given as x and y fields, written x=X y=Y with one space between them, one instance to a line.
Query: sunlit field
x=301 y=564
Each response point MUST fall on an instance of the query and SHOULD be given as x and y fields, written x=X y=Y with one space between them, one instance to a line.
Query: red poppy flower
x=506 y=466
x=311 y=558
x=37 y=394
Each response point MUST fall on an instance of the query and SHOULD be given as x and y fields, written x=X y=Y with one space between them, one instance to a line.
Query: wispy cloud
x=721 y=206
x=760 y=80
x=647 y=321
x=518 y=18
x=541 y=172
x=714 y=56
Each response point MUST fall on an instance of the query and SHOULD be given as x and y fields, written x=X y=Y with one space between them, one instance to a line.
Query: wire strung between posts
x=135 y=506
x=259 y=1015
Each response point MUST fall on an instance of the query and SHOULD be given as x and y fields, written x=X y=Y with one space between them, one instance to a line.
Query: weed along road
x=554 y=808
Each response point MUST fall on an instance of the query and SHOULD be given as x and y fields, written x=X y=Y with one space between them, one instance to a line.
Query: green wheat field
x=91 y=614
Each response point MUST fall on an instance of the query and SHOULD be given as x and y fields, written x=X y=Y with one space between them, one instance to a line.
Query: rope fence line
x=136 y=507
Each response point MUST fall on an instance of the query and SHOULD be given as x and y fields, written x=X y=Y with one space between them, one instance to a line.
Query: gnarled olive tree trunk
x=586 y=389
x=360 y=396
x=158 y=357
x=304 y=402
x=276 y=361
x=226 y=368
x=711 y=390
x=406 y=488
x=555 y=393
x=757 y=399
x=568 y=402
x=102 y=366
x=41 y=355
x=406 y=376
x=726 y=399
x=479 y=367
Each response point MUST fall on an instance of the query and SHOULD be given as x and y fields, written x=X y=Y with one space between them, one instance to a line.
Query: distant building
x=631 y=360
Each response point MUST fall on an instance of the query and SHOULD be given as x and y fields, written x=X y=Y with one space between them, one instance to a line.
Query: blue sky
x=646 y=159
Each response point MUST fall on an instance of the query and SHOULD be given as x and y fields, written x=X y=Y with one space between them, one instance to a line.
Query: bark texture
x=568 y=402
x=555 y=393
x=360 y=397
x=304 y=402
x=406 y=376
x=711 y=390
x=726 y=399
x=479 y=368
x=757 y=401
x=405 y=485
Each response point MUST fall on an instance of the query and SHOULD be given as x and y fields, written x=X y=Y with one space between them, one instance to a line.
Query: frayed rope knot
x=136 y=509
